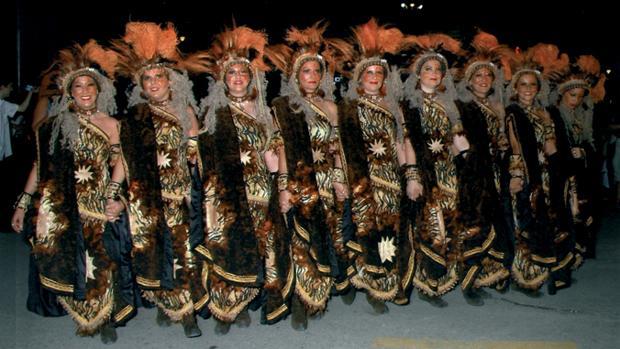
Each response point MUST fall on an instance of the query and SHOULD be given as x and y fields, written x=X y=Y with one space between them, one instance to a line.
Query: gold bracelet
x=282 y=181
x=412 y=173
x=339 y=176
x=23 y=201
x=112 y=190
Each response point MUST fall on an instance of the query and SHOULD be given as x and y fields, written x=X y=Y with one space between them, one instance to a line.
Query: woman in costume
x=312 y=185
x=158 y=138
x=487 y=254
x=442 y=150
x=374 y=147
x=575 y=95
x=245 y=239
x=78 y=174
x=539 y=159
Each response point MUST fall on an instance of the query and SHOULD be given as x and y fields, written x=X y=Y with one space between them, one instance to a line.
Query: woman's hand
x=460 y=143
x=17 y=222
x=285 y=201
x=516 y=185
x=342 y=192
x=113 y=210
x=414 y=189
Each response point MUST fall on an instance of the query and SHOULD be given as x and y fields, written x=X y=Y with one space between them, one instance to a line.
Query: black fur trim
x=239 y=253
x=138 y=139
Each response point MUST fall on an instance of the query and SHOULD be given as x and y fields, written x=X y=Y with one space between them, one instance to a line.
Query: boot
x=108 y=334
x=377 y=305
x=299 y=318
x=221 y=327
x=349 y=297
x=472 y=297
x=528 y=292
x=243 y=319
x=502 y=286
x=190 y=327
x=434 y=301
x=162 y=319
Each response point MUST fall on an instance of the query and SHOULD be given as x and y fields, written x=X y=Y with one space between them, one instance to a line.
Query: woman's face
x=372 y=79
x=237 y=79
x=481 y=82
x=430 y=75
x=309 y=77
x=156 y=84
x=84 y=92
x=573 y=97
x=527 y=88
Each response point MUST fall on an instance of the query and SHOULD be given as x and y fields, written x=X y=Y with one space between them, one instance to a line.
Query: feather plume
x=376 y=40
x=549 y=57
x=439 y=41
x=589 y=65
x=107 y=59
x=598 y=91
x=484 y=41
x=310 y=37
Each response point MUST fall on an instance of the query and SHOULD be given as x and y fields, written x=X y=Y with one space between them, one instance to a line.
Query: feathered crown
x=146 y=46
x=303 y=45
x=372 y=41
x=541 y=60
x=90 y=59
x=584 y=73
x=487 y=52
x=238 y=45
x=430 y=47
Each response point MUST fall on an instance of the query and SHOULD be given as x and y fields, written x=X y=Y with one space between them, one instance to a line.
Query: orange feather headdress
x=147 y=45
x=238 y=45
x=430 y=46
x=303 y=46
x=541 y=60
x=90 y=59
x=584 y=73
x=373 y=41
x=487 y=52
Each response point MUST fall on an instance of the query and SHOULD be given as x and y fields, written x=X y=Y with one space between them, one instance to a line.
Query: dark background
x=577 y=27
x=32 y=33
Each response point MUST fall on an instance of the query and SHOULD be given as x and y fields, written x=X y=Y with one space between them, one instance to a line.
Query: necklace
x=238 y=100
x=429 y=95
x=85 y=114
x=160 y=104
x=373 y=98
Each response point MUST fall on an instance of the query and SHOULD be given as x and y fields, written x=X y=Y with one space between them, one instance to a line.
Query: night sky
x=44 y=29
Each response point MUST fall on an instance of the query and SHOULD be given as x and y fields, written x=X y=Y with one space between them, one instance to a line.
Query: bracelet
x=23 y=200
x=339 y=175
x=282 y=181
x=412 y=173
x=112 y=190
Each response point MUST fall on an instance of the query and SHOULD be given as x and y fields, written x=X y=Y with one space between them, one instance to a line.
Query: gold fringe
x=85 y=326
x=231 y=314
